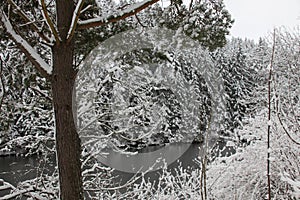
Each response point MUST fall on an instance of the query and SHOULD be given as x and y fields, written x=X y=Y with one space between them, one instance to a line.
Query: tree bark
x=68 y=146
x=67 y=139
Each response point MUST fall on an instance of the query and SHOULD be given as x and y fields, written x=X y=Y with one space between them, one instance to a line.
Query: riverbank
x=27 y=145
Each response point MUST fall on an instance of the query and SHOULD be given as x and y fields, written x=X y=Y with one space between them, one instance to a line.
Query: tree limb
x=134 y=9
x=30 y=23
x=26 y=48
x=75 y=20
x=286 y=131
x=49 y=21
x=269 y=117
x=41 y=93
x=85 y=9
x=139 y=21
x=191 y=5
x=2 y=82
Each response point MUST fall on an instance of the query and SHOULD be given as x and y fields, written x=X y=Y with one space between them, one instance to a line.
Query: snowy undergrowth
x=179 y=184
x=240 y=176
x=244 y=174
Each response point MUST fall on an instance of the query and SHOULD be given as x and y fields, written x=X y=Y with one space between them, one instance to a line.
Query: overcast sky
x=255 y=18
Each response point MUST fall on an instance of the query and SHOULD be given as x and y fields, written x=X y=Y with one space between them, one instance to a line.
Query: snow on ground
x=244 y=174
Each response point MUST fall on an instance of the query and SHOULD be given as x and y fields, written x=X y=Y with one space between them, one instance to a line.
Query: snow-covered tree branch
x=2 y=82
x=119 y=15
x=31 y=23
x=44 y=68
x=49 y=22
x=75 y=19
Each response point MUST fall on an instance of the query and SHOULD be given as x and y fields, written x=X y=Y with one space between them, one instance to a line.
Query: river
x=15 y=169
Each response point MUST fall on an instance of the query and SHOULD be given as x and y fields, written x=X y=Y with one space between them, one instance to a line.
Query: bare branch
x=2 y=82
x=19 y=192
x=28 y=21
x=75 y=20
x=269 y=116
x=85 y=9
x=286 y=131
x=191 y=5
x=26 y=48
x=49 y=21
x=41 y=93
x=139 y=21
x=132 y=10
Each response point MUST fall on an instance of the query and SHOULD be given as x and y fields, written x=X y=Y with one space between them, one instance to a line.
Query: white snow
x=230 y=144
x=269 y=123
x=294 y=183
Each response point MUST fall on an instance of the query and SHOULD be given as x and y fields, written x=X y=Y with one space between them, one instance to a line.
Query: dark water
x=16 y=169
x=187 y=161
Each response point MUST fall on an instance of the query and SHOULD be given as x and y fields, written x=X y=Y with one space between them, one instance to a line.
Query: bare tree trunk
x=269 y=118
x=67 y=139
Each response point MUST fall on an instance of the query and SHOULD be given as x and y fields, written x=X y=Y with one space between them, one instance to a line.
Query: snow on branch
x=131 y=10
x=75 y=19
x=16 y=192
x=30 y=22
x=49 y=21
x=26 y=48
x=3 y=90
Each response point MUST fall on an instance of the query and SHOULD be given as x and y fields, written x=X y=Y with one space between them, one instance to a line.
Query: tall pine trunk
x=67 y=139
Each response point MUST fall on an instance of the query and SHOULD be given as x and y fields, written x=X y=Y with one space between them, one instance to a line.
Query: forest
x=80 y=78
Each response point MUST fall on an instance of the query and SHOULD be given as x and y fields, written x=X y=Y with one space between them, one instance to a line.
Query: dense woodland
x=260 y=117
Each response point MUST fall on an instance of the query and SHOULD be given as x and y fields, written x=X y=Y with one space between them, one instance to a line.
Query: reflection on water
x=140 y=161
x=187 y=161
x=16 y=169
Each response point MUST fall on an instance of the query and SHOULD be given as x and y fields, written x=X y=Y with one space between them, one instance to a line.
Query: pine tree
x=239 y=82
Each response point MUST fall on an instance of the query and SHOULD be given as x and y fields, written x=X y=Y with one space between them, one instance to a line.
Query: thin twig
x=286 y=131
x=191 y=5
x=49 y=21
x=139 y=21
x=75 y=19
x=269 y=117
x=2 y=82
x=41 y=93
